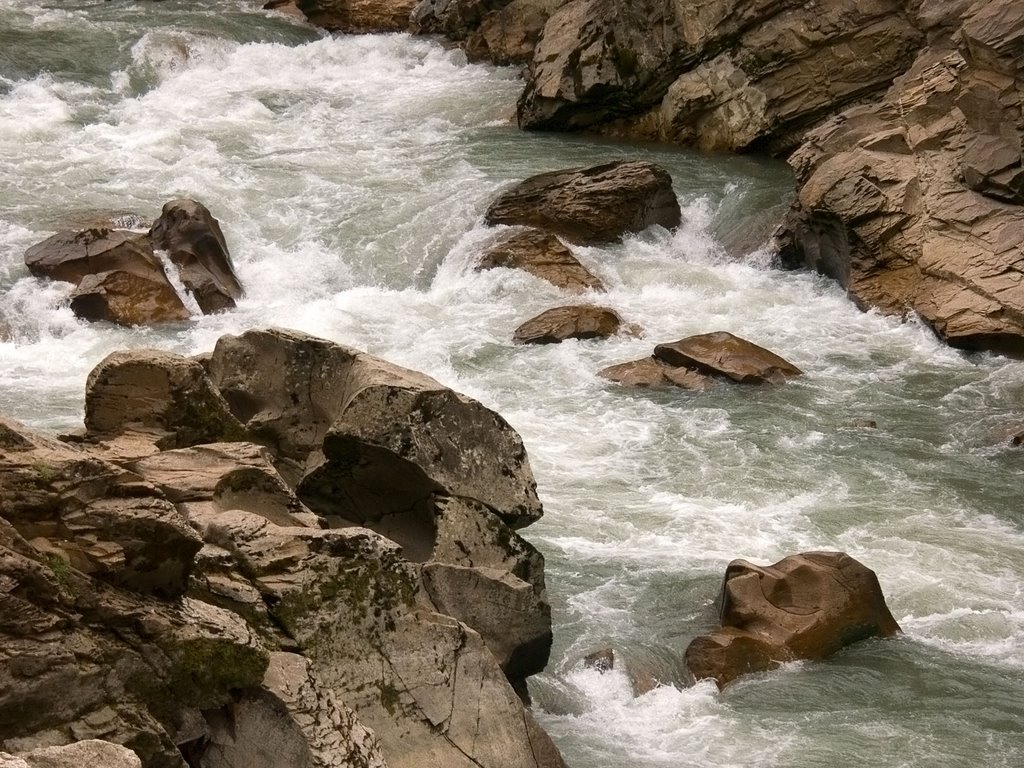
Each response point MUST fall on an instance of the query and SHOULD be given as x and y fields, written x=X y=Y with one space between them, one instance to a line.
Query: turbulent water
x=350 y=176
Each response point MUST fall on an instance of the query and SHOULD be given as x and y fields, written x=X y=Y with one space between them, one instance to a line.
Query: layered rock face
x=303 y=557
x=805 y=606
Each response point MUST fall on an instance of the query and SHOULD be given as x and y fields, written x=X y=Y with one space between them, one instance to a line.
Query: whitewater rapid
x=350 y=176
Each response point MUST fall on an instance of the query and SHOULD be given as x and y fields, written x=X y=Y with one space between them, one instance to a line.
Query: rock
x=806 y=606
x=574 y=322
x=286 y=7
x=508 y=35
x=723 y=354
x=93 y=753
x=352 y=16
x=650 y=372
x=606 y=660
x=293 y=719
x=543 y=255
x=369 y=439
x=591 y=205
x=127 y=299
x=70 y=256
x=602 y=661
x=195 y=244
x=166 y=395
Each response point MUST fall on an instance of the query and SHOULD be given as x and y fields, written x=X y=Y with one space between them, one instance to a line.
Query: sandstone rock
x=723 y=354
x=147 y=390
x=359 y=15
x=195 y=244
x=805 y=606
x=70 y=256
x=94 y=753
x=291 y=720
x=369 y=439
x=543 y=255
x=127 y=299
x=574 y=322
x=652 y=372
x=591 y=205
x=509 y=34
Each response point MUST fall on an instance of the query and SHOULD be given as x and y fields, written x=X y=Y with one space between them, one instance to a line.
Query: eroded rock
x=806 y=606
x=352 y=16
x=723 y=354
x=541 y=254
x=126 y=298
x=650 y=372
x=573 y=322
x=92 y=752
x=591 y=205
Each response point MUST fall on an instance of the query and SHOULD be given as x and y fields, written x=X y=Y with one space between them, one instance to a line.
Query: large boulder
x=351 y=16
x=71 y=255
x=195 y=244
x=508 y=35
x=91 y=752
x=652 y=373
x=806 y=606
x=127 y=298
x=724 y=354
x=554 y=325
x=591 y=205
x=543 y=255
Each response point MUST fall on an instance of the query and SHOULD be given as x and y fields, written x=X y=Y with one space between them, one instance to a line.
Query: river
x=350 y=176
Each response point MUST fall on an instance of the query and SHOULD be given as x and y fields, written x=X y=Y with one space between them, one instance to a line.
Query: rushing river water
x=350 y=176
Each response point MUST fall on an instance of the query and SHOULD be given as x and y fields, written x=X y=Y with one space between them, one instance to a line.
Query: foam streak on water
x=350 y=176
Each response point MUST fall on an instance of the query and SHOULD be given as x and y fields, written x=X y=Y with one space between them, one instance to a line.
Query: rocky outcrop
x=913 y=204
x=195 y=244
x=542 y=255
x=121 y=280
x=92 y=752
x=805 y=606
x=591 y=205
x=555 y=325
x=697 y=362
x=183 y=598
x=358 y=15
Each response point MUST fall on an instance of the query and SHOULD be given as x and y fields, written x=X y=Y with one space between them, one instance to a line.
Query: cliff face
x=902 y=120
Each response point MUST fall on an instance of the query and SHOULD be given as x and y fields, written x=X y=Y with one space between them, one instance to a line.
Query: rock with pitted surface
x=652 y=373
x=723 y=354
x=541 y=254
x=355 y=16
x=195 y=244
x=591 y=205
x=509 y=34
x=126 y=298
x=806 y=606
x=92 y=753
x=583 y=321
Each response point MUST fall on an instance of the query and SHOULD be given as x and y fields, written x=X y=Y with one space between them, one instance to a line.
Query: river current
x=350 y=175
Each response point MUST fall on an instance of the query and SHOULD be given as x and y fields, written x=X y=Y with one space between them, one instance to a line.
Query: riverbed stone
x=71 y=255
x=126 y=298
x=541 y=254
x=591 y=205
x=650 y=372
x=724 y=354
x=358 y=16
x=584 y=321
x=806 y=606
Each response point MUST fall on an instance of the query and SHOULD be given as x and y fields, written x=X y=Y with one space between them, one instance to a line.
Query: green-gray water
x=350 y=176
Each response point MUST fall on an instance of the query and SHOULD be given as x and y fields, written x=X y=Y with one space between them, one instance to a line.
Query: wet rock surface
x=555 y=325
x=541 y=254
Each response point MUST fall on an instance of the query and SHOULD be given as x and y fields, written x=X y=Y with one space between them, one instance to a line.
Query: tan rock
x=352 y=16
x=805 y=606
x=71 y=255
x=650 y=372
x=573 y=322
x=723 y=354
x=93 y=752
x=543 y=255
x=591 y=205
x=128 y=299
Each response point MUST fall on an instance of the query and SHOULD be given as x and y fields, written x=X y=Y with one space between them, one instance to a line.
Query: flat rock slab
x=591 y=205
x=649 y=372
x=723 y=354
x=572 y=322
x=543 y=255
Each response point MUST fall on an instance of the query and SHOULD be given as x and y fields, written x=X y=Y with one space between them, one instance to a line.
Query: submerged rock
x=583 y=321
x=723 y=354
x=806 y=606
x=541 y=254
x=352 y=16
x=591 y=205
x=650 y=372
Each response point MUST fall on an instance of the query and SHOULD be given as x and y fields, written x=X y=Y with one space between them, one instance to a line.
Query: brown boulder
x=542 y=255
x=806 y=606
x=591 y=205
x=195 y=244
x=574 y=322
x=650 y=372
x=70 y=256
x=127 y=298
x=352 y=16
x=723 y=354
x=509 y=34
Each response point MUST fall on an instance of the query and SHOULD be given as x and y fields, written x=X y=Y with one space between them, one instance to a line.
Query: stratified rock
x=358 y=15
x=574 y=322
x=509 y=34
x=805 y=606
x=129 y=299
x=70 y=256
x=92 y=753
x=195 y=244
x=591 y=205
x=723 y=354
x=650 y=372
x=367 y=438
x=166 y=395
x=291 y=720
x=543 y=255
